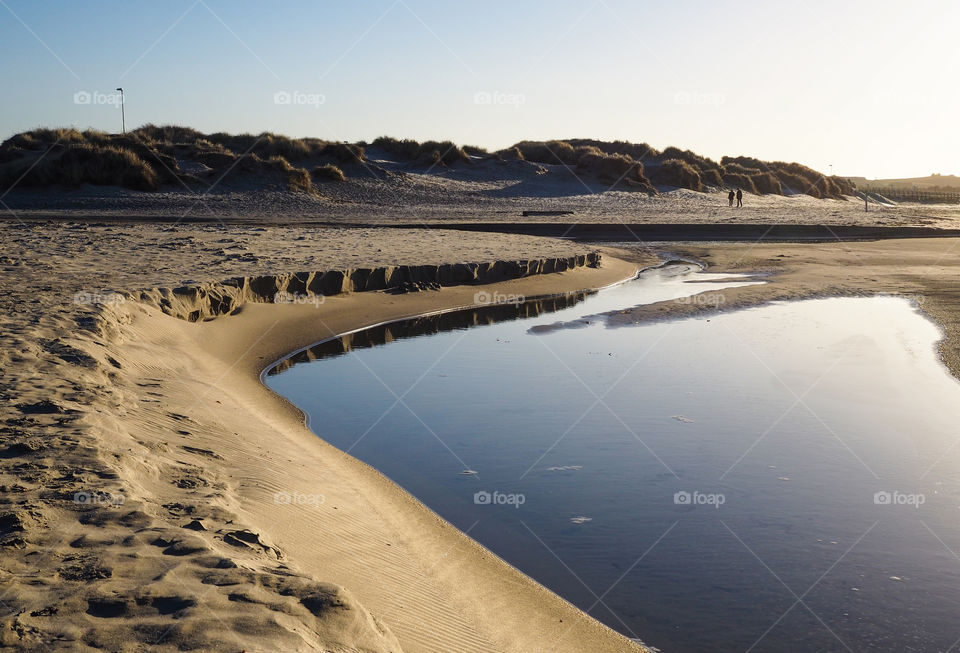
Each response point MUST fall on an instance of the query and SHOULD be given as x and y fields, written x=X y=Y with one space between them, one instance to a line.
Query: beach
x=444 y=334
x=158 y=494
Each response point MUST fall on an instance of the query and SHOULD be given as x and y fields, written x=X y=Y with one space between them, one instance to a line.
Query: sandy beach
x=158 y=494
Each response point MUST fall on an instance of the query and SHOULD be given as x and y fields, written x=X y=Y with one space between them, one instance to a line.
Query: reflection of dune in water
x=428 y=325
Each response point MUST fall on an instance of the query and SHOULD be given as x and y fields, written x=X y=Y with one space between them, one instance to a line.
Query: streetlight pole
x=123 y=116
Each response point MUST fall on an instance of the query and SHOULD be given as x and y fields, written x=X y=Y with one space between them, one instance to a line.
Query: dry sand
x=480 y=191
x=157 y=494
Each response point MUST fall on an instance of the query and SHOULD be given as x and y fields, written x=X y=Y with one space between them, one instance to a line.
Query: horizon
x=425 y=70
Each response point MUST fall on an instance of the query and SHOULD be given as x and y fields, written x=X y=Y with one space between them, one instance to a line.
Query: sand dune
x=485 y=192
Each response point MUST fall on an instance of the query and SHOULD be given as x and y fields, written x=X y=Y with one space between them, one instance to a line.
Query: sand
x=479 y=191
x=157 y=494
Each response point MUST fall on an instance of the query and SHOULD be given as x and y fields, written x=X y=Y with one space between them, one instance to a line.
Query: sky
x=859 y=88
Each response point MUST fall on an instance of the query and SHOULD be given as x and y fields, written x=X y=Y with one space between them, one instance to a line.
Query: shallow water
x=704 y=484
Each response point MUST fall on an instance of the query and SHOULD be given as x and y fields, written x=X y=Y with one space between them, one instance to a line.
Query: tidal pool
x=782 y=478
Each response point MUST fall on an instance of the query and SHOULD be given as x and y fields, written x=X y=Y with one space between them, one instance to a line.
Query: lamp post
x=123 y=117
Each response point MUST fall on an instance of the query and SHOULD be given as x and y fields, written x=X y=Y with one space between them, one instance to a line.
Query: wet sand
x=924 y=271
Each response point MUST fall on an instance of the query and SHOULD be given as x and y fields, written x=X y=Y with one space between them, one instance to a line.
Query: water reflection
x=429 y=325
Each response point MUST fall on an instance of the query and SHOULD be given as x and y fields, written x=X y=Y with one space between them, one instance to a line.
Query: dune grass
x=613 y=169
x=297 y=179
x=147 y=158
x=676 y=172
x=549 y=152
x=796 y=177
x=740 y=181
x=343 y=152
x=428 y=153
x=329 y=172
x=694 y=160
x=79 y=163
x=636 y=151
x=509 y=154
x=473 y=150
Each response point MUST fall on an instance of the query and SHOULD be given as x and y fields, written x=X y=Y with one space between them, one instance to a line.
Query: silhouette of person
x=739 y=197
x=730 y=197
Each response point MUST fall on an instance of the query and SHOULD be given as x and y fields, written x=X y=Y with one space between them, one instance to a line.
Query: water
x=704 y=484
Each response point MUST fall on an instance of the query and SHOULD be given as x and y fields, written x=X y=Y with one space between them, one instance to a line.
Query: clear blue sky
x=871 y=87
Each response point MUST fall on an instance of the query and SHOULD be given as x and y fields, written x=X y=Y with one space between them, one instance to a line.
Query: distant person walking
x=739 y=197
x=730 y=197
